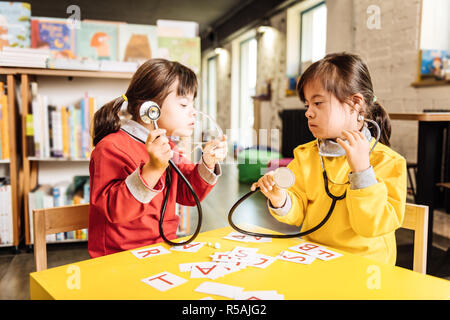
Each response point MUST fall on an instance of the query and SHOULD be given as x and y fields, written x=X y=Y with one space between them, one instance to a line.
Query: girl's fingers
x=254 y=186
x=267 y=185
x=356 y=135
x=349 y=137
x=343 y=145
x=155 y=134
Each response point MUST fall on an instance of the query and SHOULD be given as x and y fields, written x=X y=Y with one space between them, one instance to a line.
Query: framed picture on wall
x=433 y=64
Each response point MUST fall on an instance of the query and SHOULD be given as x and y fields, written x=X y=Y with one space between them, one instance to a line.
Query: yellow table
x=118 y=276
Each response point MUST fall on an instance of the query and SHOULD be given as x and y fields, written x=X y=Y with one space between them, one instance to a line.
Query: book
x=14 y=24
x=57 y=35
x=97 y=40
x=183 y=50
x=177 y=28
x=39 y=198
x=35 y=109
x=137 y=43
x=433 y=63
x=6 y=224
x=29 y=135
x=24 y=57
x=60 y=131
x=118 y=66
x=73 y=64
x=4 y=123
x=49 y=196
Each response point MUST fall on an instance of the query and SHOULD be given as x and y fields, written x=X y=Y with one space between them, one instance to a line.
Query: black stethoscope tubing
x=166 y=198
x=283 y=236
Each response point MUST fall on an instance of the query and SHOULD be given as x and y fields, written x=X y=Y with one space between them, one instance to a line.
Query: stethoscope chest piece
x=149 y=112
x=284 y=177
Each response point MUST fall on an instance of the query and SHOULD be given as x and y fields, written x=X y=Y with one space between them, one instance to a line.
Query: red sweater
x=117 y=219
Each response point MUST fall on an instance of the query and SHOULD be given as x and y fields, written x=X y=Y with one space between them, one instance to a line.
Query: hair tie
x=374 y=99
x=124 y=97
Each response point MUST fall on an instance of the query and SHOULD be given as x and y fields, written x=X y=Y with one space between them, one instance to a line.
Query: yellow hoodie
x=363 y=223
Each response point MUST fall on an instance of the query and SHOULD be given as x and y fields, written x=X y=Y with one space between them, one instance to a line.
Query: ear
x=358 y=99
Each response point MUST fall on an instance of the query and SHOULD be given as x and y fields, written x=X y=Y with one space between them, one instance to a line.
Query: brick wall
x=391 y=53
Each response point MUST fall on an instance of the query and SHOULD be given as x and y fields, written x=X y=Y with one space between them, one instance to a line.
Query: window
x=313 y=31
x=313 y=28
x=435 y=28
x=247 y=86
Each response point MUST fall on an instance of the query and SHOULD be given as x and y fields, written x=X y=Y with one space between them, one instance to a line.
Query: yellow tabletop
x=118 y=276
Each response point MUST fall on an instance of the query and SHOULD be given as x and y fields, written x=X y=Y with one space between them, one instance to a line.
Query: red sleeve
x=200 y=186
x=109 y=167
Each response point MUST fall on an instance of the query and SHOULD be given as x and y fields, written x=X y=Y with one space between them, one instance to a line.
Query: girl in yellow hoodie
x=338 y=94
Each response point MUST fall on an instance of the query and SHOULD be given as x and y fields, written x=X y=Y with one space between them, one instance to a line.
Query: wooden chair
x=54 y=220
x=416 y=218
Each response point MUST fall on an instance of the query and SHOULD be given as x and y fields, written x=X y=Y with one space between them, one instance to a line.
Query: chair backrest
x=54 y=220
x=416 y=218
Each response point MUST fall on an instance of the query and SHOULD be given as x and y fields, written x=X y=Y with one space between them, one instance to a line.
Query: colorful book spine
x=65 y=131
x=4 y=131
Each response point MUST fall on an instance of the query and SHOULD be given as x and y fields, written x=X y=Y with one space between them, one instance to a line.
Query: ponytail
x=377 y=113
x=107 y=120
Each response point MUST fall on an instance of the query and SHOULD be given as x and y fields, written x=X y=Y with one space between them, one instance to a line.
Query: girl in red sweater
x=127 y=176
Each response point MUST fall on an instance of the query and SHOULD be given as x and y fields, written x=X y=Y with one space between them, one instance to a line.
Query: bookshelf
x=12 y=163
x=30 y=165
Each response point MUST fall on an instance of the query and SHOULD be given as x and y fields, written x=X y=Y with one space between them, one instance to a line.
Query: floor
x=14 y=268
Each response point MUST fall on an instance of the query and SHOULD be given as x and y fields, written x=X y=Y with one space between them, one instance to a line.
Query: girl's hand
x=275 y=194
x=357 y=150
x=215 y=151
x=158 y=149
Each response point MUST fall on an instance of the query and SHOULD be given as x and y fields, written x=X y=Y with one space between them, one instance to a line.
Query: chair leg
x=411 y=182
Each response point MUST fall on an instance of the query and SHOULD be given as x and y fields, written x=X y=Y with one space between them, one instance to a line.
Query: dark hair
x=344 y=75
x=151 y=81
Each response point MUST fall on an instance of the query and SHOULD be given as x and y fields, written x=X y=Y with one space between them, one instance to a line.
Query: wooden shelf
x=421 y=116
x=58 y=159
x=67 y=241
x=13 y=161
x=430 y=83
x=67 y=73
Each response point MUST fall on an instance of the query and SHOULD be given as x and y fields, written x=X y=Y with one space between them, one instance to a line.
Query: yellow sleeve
x=298 y=197
x=379 y=209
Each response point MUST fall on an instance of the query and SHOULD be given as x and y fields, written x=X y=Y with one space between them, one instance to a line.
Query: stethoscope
x=284 y=178
x=150 y=112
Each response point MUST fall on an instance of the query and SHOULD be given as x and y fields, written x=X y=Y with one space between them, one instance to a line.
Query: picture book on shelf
x=433 y=63
x=54 y=34
x=137 y=42
x=184 y=50
x=15 y=24
x=97 y=40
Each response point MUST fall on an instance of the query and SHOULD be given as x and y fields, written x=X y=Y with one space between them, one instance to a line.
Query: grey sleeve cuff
x=209 y=175
x=363 y=179
x=140 y=191
x=282 y=211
